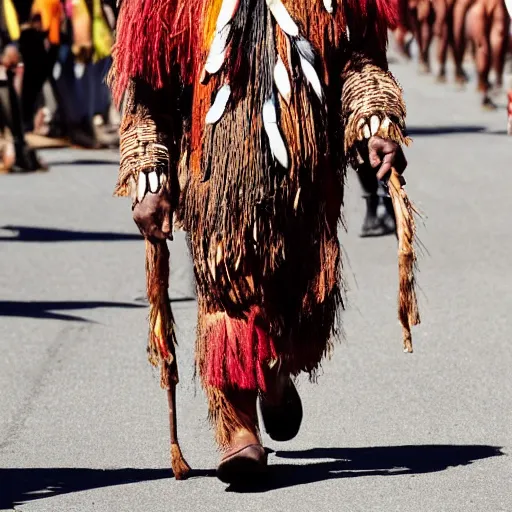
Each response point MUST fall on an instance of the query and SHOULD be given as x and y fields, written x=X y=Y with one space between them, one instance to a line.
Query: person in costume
x=15 y=154
x=402 y=32
x=421 y=14
x=239 y=120
x=443 y=29
x=489 y=24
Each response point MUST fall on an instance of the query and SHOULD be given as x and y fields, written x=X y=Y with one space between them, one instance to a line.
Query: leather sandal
x=242 y=465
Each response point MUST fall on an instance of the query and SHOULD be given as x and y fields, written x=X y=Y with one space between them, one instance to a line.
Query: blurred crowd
x=469 y=31
x=55 y=55
x=54 y=58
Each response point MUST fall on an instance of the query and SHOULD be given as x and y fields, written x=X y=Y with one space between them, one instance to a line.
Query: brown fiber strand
x=225 y=418
x=179 y=465
x=161 y=337
x=408 y=313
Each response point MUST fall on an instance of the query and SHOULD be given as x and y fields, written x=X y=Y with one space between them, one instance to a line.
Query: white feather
x=366 y=131
x=153 y=181
x=328 y=6
x=219 y=105
x=282 y=80
x=283 y=18
x=141 y=186
x=374 y=124
x=227 y=12
x=217 y=53
x=312 y=77
x=277 y=145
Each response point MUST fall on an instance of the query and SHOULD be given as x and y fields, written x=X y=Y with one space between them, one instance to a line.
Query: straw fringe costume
x=246 y=114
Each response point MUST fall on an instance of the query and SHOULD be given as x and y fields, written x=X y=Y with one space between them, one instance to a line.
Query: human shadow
x=85 y=162
x=46 y=309
x=371 y=461
x=31 y=234
x=21 y=485
x=425 y=131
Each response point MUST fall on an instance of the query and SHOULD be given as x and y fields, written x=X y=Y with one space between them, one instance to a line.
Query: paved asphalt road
x=83 y=423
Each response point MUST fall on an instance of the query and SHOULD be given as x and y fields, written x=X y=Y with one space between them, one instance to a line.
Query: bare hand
x=153 y=216
x=387 y=154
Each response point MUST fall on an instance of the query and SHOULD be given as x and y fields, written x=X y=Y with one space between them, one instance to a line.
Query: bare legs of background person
x=443 y=30
x=489 y=30
x=460 y=12
x=421 y=14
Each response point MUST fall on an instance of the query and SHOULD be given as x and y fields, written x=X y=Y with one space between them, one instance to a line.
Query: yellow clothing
x=82 y=33
x=11 y=18
x=102 y=35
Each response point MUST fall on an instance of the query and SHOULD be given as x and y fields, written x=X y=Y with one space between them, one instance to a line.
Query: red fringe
x=383 y=14
x=236 y=350
x=154 y=36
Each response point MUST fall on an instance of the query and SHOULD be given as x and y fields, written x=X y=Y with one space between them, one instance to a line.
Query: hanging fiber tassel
x=406 y=229
x=162 y=340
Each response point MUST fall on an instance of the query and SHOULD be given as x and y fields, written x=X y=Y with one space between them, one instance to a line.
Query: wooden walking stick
x=408 y=313
x=162 y=340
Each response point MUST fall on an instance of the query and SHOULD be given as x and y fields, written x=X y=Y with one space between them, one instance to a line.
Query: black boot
x=374 y=225
x=27 y=161
x=389 y=218
x=281 y=408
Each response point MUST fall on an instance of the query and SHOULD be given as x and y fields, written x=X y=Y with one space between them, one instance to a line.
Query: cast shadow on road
x=30 y=234
x=46 y=309
x=22 y=485
x=425 y=131
x=70 y=163
x=372 y=461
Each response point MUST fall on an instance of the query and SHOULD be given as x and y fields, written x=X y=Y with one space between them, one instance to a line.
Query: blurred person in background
x=422 y=17
x=489 y=23
x=15 y=155
x=83 y=65
x=33 y=46
x=403 y=37
x=443 y=30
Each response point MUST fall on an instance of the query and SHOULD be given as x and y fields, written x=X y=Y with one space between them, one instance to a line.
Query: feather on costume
x=252 y=110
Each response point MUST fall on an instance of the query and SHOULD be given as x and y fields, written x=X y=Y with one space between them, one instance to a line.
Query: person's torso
x=270 y=79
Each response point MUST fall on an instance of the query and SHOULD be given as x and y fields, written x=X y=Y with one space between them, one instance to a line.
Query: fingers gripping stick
x=162 y=340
